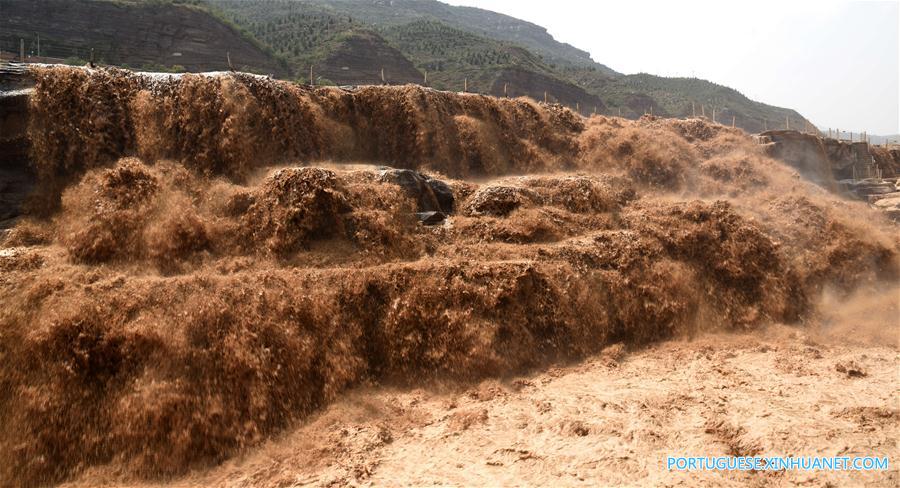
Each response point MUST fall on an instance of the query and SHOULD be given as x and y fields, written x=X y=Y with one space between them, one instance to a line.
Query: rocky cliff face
x=827 y=160
x=845 y=157
x=132 y=33
x=16 y=180
x=804 y=152
x=887 y=159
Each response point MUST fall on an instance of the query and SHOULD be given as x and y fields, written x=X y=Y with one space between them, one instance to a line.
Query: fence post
x=787 y=122
x=703 y=110
x=426 y=78
x=577 y=107
x=466 y=85
x=382 y=76
x=22 y=50
x=693 y=110
x=732 y=121
x=228 y=57
x=312 y=81
x=505 y=95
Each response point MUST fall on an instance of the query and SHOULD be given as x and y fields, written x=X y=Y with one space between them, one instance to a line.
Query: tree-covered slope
x=680 y=97
x=352 y=48
x=486 y=23
x=158 y=35
x=487 y=51
x=367 y=41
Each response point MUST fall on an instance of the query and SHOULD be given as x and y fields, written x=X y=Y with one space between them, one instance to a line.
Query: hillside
x=353 y=42
x=438 y=47
x=487 y=51
x=345 y=49
x=359 y=57
x=483 y=22
x=149 y=35
x=681 y=97
x=266 y=16
x=455 y=58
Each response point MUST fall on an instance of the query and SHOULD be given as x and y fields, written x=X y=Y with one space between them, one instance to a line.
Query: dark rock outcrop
x=434 y=198
x=16 y=178
x=431 y=218
x=443 y=193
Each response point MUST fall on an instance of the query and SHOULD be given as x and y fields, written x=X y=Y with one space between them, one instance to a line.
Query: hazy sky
x=835 y=62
